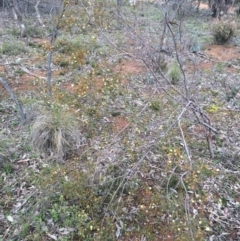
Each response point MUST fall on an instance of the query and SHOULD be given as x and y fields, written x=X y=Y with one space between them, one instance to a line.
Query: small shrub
x=34 y=31
x=155 y=105
x=174 y=73
x=14 y=32
x=13 y=48
x=7 y=167
x=163 y=65
x=222 y=32
x=70 y=52
x=55 y=132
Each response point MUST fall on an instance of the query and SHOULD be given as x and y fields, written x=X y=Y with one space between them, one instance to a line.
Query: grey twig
x=14 y=98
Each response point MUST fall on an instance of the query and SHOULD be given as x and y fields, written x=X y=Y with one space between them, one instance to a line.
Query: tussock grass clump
x=222 y=32
x=55 y=133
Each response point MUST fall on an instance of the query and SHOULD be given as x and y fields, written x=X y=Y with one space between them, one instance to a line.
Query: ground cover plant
x=131 y=122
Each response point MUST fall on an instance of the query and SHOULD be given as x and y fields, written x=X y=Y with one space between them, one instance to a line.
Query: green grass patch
x=13 y=48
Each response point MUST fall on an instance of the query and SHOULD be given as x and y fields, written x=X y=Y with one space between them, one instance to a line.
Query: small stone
x=18 y=61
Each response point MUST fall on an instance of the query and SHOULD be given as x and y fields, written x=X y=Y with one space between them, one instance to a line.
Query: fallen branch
x=28 y=72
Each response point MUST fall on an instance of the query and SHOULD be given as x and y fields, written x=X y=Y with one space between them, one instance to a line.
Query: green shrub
x=34 y=32
x=70 y=52
x=222 y=32
x=13 y=48
x=155 y=105
x=174 y=72
x=14 y=32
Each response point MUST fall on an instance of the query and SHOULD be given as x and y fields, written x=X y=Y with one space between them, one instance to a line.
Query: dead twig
x=182 y=133
x=30 y=73
x=187 y=208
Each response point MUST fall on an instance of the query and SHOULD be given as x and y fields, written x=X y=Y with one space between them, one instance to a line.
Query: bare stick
x=182 y=134
x=178 y=59
x=187 y=211
x=53 y=39
x=19 y=18
x=206 y=122
x=14 y=98
x=169 y=179
x=49 y=73
x=38 y=13
x=30 y=73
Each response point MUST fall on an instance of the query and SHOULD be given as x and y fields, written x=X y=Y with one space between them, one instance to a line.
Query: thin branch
x=182 y=134
x=187 y=211
x=149 y=67
x=38 y=13
x=30 y=73
x=19 y=18
x=49 y=55
x=169 y=179
x=126 y=176
x=14 y=98
x=178 y=59
x=49 y=72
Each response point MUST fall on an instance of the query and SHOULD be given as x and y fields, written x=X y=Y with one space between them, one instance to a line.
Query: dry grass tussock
x=55 y=132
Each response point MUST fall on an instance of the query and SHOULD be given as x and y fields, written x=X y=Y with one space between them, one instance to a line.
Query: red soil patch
x=222 y=53
x=230 y=69
x=71 y=88
x=129 y=67
x=28 y=81
x=203 y=6
x=57 y=72
x=144 y=201
x=2 y=69
x=201 y=66
x=119 y=123
x=41 y=42
x=124 y=81
x=34 y=80
x=218 y=54
x=83 y=88
x=123 y=69
x=99 y=83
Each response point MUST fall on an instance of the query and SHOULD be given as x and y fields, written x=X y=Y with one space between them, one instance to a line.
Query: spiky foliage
x=55 y=132
x=174 y=72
